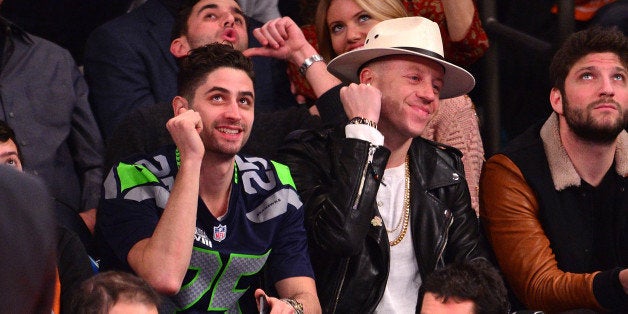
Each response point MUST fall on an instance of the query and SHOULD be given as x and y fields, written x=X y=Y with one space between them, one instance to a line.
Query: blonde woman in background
x=464 y=39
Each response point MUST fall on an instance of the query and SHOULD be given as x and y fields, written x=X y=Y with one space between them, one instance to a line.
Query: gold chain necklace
x=406 y=205
x=398 y=224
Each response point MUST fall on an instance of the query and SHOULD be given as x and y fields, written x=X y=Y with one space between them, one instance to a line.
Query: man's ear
x=366 y=75
x=556 y=99
x=180 y=47
x=177 y=103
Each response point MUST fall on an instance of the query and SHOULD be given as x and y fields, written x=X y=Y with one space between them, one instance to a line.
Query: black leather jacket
x=338 y=186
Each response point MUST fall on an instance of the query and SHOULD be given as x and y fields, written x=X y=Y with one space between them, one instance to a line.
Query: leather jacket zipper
x=369 y=160
x=445 y=237
x=339 y=287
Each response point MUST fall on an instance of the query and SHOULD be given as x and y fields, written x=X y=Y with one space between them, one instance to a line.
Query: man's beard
x=593 y=129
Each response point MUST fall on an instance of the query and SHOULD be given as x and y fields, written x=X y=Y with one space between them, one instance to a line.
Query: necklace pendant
x=376 y=221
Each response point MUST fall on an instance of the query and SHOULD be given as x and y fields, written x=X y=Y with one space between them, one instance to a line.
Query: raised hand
x=185 y=129
x=361 y=100
x=281 y=38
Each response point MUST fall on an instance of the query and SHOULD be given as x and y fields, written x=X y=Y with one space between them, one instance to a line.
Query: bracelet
x=308 y=62
x=365 y=121
x=298 y=307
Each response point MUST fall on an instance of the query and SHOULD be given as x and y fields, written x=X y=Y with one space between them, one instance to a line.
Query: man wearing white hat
x=374 y=234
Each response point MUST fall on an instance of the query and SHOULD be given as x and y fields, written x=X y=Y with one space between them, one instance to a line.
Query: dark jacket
x=349 y=250
x=539 y=221
x=128 y=64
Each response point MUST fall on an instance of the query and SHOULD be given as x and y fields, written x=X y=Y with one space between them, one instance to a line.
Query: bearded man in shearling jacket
x=554 y=202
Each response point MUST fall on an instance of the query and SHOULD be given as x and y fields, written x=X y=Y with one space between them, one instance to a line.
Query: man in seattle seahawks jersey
x=199 y=222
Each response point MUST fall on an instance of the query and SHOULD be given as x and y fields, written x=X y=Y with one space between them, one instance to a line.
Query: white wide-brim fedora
x=403 y=36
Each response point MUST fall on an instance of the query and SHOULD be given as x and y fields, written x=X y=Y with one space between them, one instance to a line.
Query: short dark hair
x=98 y=294
x=477 y=281
x=6 y=134
x=181 y=18
x=200 y=62
x=595 y=39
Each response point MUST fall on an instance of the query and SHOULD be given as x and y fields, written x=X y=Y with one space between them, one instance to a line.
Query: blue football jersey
x=262 y=229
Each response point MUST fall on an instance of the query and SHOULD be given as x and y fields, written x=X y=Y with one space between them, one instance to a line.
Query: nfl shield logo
x=220 y=233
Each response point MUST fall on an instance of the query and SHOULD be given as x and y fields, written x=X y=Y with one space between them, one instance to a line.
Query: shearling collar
x=563 y=172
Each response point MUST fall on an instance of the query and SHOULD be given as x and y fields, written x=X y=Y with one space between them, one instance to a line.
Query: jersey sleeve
x=289 y=256
x=132 y=202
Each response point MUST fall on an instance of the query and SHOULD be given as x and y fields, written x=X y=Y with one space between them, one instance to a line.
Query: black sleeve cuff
x=330 y=107
x=609 y=292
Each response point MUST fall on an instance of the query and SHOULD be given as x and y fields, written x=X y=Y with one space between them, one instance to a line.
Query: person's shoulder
x=245 y=162
x=124 y=26
x=44 y=62
x=440 y=148
x=265 y=184
x=129 y=20
x=162 y=162
x=315 y=134
x=529 y=139
x=134 y=23
x=263 y=168
x=429 y=152
x=311 y=142
x=151 y=174
x=43 y=49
